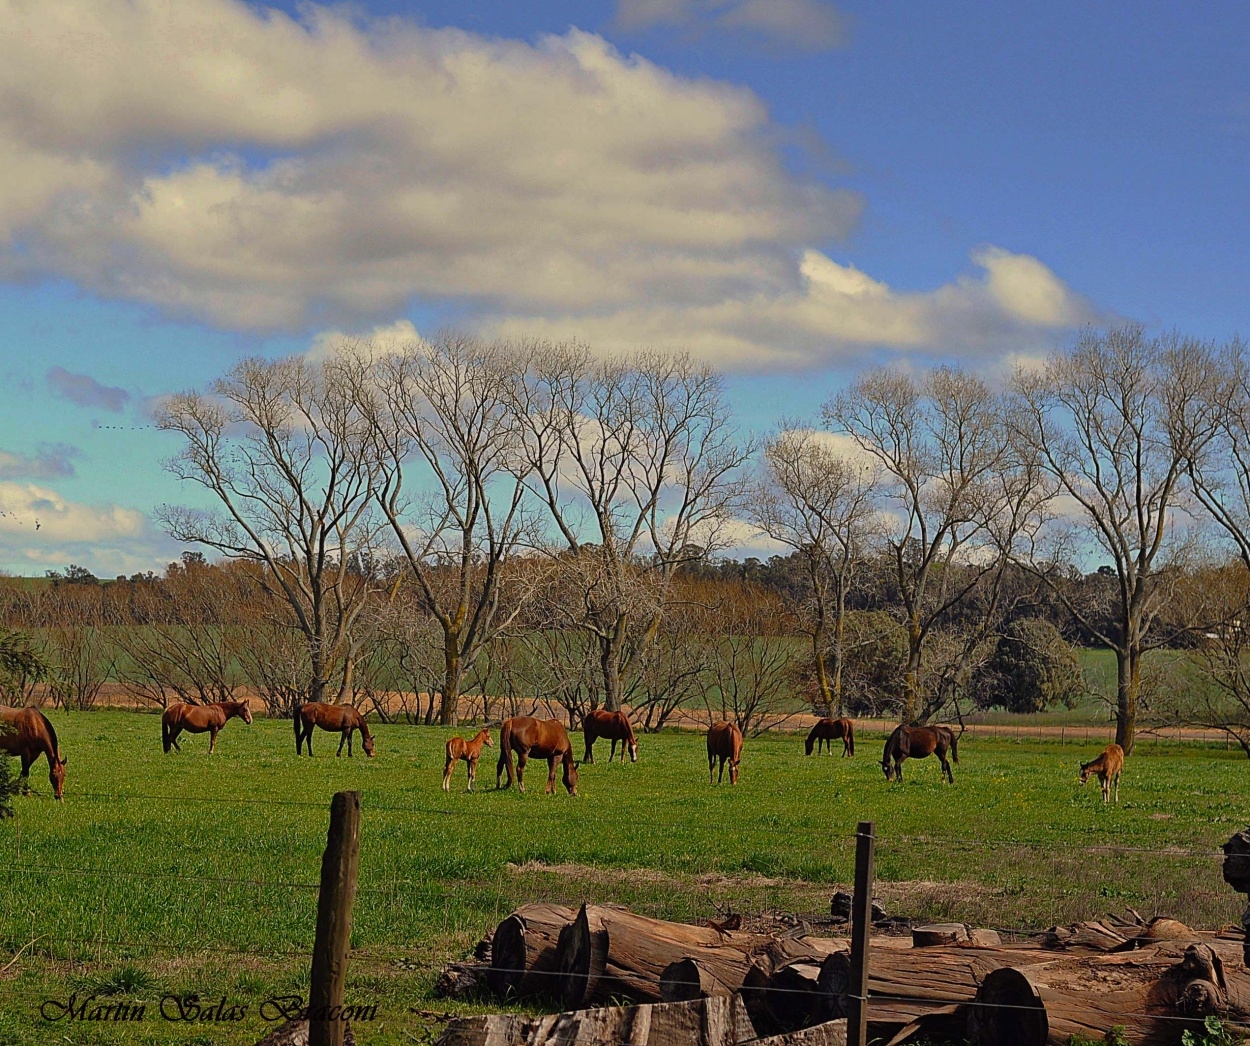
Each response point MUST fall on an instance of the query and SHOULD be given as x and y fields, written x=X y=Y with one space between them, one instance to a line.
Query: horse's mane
x=56 y=745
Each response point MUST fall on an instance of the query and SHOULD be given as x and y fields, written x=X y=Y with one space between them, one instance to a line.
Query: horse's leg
x=612 y=752
x=448 y=767
x=350 y=731
x=523 y=757
x=1117 y=788
x=711 y=769
x=720 y=776
x=212 y=739
x=551 y=775
x=342 y=740
x=471 y=762
x=174 y=731
x=502 y=762
x=24 y=777
x=590 y=745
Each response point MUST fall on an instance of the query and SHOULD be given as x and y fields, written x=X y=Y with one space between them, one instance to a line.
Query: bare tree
x=637 y=463
x=451 y=486
x=1115 y=424
x=954 y=498
x=282 y=448
x=818 y=502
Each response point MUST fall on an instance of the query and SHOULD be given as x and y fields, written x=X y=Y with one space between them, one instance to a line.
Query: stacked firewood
x=1152 y=979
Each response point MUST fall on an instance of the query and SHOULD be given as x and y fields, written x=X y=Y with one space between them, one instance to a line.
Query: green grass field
x=188 y=873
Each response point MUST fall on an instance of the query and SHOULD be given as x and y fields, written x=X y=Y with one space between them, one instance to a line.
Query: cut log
x=705 y=1022
x=792 y=995
x=523 y=950
x=938 y=933
x=830 y=1033
x=460 y=980
x=609 y=952
x=688 y=979
x=1143 y=991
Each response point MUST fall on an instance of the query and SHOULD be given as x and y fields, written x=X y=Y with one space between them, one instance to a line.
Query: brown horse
x=470 y=751
x=1107 y=768
x=343 y=718
x=827 y=730
x=916 y=742
x=542 y=738
x=26 y=732
x=724 y=742
x=195 y=719
x=612 y=726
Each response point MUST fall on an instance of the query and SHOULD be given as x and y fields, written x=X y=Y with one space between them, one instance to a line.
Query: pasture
x=185 y=873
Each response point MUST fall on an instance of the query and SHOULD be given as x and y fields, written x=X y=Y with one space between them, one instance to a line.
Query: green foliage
x=874 y=662
x=1214 y=1033
x=20 y=663
x=1032 y=669
x=8 y=786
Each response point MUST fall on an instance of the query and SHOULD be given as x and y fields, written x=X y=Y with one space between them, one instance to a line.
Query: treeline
x=535 y=522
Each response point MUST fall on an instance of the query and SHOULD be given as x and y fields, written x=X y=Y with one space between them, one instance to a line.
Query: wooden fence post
x=861 y=926
x=339 y=864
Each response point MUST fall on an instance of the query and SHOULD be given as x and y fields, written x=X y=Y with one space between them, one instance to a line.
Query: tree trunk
x=839 y=635
x=609 y=665
x=448 y=711
x=1128 y=689
x=609 y=952
x=1141 y=991
x=523 y=950
x=911 y=696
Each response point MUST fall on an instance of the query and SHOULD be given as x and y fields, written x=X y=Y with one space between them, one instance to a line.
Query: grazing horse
x=916 y=742
x=541 y=738
x=26 y=732
x=827 y=730
x=1106 y=768
x=195 y=719
x=470 y=751
x=613 y=726
x=343 y=718
x=724 y=742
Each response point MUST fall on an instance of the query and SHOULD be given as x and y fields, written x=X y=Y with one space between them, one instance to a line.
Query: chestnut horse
x=470 y=751
x=26 y=732
x=827 y=730
x=343 y=718
x=916 y=742
x=724 y=742
x=613 y=726
x=541 y=738
x=195 y=719
x=1107 y=768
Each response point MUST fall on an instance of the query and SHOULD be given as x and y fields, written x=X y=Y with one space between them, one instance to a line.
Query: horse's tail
x=295 y=711
x=166 y=743
x=505 y=751
x=850 y=737
x=811 y=738
x=954 y=746
x=56 y=745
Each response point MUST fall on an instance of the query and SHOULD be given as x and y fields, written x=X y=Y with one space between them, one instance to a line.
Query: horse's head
x=56 y=775
x=1086 y=773
x=243 y=712
x=483 y=735
x=367 y=742
x=633 y=750
x=570 y=776
x=888 y=768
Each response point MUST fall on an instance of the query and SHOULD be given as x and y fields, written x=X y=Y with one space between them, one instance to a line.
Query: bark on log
x=705 y=1022
x=1143 y=991
x=523 y=950
x=688 y=979
x=608 y=952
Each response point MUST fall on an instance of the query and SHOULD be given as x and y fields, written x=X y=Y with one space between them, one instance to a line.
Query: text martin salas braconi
x=190 y=1009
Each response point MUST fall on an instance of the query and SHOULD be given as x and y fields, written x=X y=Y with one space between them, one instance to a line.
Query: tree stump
x=938 y=933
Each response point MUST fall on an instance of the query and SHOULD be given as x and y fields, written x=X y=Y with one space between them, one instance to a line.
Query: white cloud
x=836 y=312
x=226 y=162
x=389 y=338
x=809 y=25
x=40 y=529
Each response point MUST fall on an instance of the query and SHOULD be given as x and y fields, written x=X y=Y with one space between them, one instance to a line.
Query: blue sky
x=789 y=188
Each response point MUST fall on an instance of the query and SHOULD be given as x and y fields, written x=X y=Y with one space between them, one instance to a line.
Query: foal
x=470 y=751
x=1106 y=768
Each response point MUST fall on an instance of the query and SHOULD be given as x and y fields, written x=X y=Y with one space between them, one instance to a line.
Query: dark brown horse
x=827 y=730
x=26 y=732
x=724 y=742
x=916 y=742
x=343 y=718
x=541 y=738
x=470 y=751
x=612 y=726
x=195 y=719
